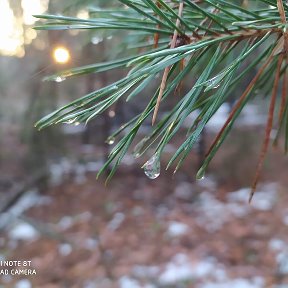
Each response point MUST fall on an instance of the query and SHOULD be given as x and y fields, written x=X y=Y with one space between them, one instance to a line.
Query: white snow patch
x=241 y=195
x=235 y=283
x=24 y=283
x=184 y=190
x=277 y=244
x=263 y=200
x=59 y=170
x=126 y=282
x=90 y=243
x=207 y=182
x=56 y=174
x=65 y=222
x=27 y=201
x=219 y=118
x=117 y=220
x=146 y=271
x=65 y=249
x=213 y=213
x=85 y=216
x=285 y=219
x=238 y=210
x=94 y=166
x=179 y=269
x=176 y=229
x=80 y=174
x=251 y=116
x=282 y=262
x=23 y=231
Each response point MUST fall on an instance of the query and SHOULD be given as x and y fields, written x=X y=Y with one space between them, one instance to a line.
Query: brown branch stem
x=269 y=126
x=284 y=21
x=167 y=69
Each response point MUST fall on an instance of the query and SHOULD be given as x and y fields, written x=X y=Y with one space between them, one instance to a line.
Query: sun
x=61 y=55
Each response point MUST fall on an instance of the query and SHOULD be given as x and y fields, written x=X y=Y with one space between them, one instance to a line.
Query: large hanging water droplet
x=59 y=79
x=152 y=167
x=137 y=149
x=110 y=140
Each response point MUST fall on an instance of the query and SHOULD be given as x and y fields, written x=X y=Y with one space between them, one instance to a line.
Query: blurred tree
x=219 y=41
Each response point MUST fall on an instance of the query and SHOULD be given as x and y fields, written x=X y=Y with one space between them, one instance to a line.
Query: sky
x=13 y=36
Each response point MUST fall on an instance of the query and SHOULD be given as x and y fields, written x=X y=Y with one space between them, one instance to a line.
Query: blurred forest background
x=134 y=232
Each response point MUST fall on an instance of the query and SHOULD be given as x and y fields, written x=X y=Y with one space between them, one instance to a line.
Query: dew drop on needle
x=59 y=79
x=152 y=167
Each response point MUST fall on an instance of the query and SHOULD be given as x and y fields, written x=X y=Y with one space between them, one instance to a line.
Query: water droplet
x=111 y=113
x=136 y=155
x=70 y=121
x=110 y=140
x=95 y=40
x=152 y=167
x=137 y=149
x=215 y=86
x=77 y=123
x=59 y=79
x=214 y=82
x=201 y=174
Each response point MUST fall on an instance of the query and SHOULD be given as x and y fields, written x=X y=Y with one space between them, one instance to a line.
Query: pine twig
x=166 y=71
x=283 y=96
x=268 y=127
x=284 y=21
x=156 y=35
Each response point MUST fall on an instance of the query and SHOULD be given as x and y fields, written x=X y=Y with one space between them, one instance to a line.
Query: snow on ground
x=236 y=283
x=250 y=116
x=209 y=213
x=28 y=200
x=181 y=269
x=263 y=199
x=213 y=213
x=24 y=283
x=176 y=229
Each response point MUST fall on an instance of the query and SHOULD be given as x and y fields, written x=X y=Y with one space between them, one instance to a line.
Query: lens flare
x=61 y=55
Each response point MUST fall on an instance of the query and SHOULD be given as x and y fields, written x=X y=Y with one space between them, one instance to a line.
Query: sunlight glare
x=32 y=7
x=14 y=34
x=11 y=34
x=61 y=55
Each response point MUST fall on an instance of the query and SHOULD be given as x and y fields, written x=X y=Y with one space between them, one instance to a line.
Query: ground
x=168 y=232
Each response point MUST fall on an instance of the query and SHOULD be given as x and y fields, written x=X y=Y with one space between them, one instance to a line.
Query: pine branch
x=206 y=35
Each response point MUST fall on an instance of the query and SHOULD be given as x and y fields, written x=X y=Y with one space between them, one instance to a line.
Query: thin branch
x=166 y=71
x=268 y=127
x=283 y=96
x=156 y=35
x=284 y=21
